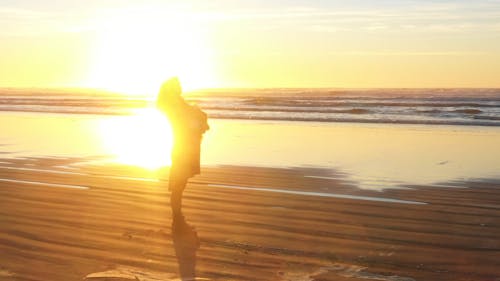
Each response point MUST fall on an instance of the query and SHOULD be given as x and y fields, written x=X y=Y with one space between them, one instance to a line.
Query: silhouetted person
x=186 y=243
x=188 y=125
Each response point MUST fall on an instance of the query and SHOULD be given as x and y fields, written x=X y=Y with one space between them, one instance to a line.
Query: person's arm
x=206 y=127
x=202 y=119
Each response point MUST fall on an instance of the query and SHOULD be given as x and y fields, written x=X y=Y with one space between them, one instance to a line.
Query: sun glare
x=136 y=50
x=143 y=139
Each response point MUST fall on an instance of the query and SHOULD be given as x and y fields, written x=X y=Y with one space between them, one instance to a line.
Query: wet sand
x=65 y=221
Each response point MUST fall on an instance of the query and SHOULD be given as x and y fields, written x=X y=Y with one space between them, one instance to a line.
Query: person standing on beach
x=189 y=123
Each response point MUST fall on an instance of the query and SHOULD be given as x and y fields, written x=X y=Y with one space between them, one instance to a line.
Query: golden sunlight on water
x=143 y=139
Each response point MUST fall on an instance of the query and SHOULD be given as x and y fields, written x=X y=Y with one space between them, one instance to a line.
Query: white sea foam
x=44 y=184
x=408 y=106
x=318 y=194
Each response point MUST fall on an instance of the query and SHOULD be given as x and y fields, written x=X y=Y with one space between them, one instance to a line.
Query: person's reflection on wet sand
x=186 y=243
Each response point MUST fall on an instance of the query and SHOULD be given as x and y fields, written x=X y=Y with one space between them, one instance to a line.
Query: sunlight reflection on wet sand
x=374 y=156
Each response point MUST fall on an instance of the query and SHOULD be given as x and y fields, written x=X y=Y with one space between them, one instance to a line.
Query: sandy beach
x=337 y=140
x=63 y=220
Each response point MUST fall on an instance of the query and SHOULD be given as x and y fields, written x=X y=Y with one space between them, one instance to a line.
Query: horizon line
x=58 y=88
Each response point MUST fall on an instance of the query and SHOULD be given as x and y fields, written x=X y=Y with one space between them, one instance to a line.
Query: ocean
x=376 y=138
x=476 y=107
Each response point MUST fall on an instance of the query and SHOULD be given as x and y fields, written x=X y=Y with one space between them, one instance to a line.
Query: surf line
x=318 y=194
x=45 y=184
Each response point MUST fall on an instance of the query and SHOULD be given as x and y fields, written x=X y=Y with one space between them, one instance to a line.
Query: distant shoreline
x=479 y=107
x=311 y=120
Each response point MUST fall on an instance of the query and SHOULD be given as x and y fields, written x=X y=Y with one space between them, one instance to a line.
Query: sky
x=132 y=46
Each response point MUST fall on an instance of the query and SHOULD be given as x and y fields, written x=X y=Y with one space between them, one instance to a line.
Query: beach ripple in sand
x=5 y=273
x=126 y=273
x=339 y=269
x=359 y=272
x=123 y=273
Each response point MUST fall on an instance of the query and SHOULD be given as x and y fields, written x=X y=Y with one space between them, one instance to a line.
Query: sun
x=143 y=139
x=136 y=50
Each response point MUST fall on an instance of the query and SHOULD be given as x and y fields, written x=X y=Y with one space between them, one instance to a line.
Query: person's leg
x=176 y=186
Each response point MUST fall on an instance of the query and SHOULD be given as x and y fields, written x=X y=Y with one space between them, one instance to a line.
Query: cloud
x=19 y=13
x=419 y=15
x=406 y=53
x=21 y=22
x=320 y=17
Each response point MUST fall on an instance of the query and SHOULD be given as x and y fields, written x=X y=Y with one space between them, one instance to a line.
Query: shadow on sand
x=186 y=243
